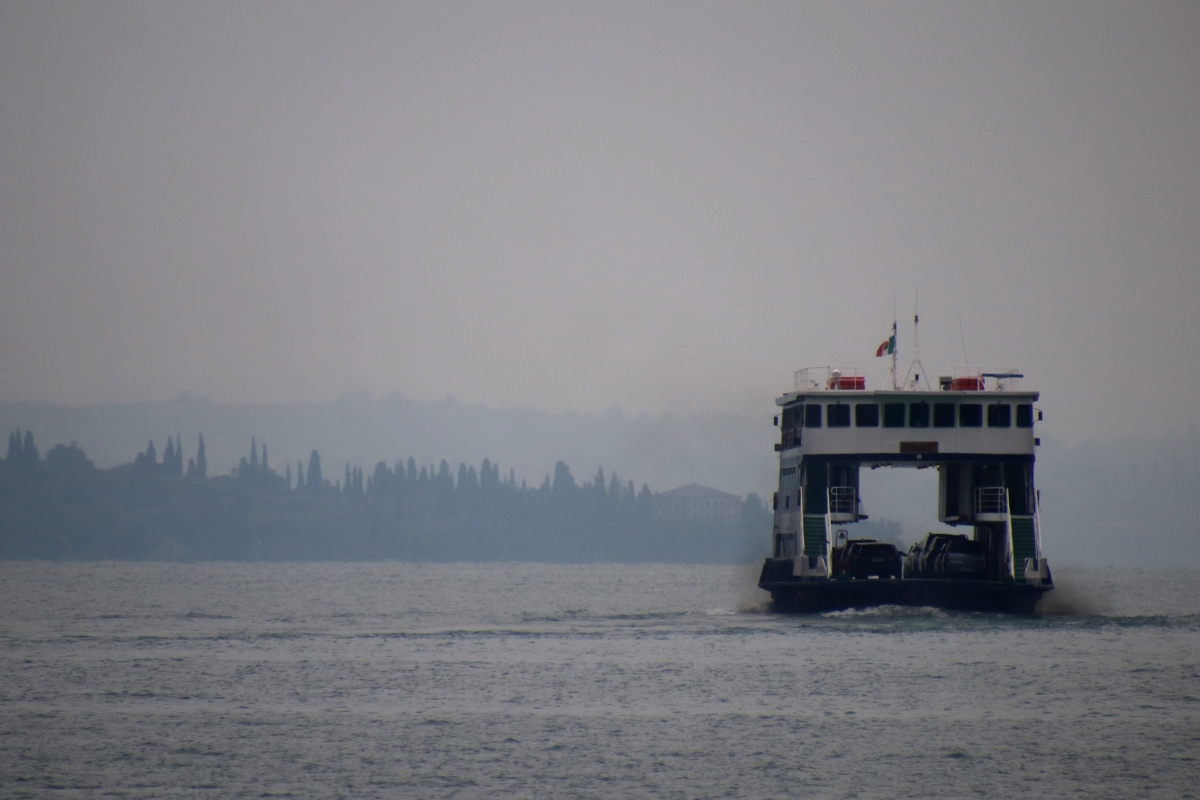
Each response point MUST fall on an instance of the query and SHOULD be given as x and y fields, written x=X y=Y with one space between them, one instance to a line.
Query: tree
x=29 y=453
x=564 y=481
x=299 y=476
x=201 y=460
x=168 y=462
x=14 y=448
x=315 y=481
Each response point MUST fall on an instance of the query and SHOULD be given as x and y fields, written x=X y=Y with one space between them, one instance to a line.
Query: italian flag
x=887 y=347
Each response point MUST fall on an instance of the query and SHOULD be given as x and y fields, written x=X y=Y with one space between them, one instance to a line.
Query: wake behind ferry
x=976 y=429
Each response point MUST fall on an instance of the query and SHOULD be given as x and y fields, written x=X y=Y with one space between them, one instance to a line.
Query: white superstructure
x=976 y=429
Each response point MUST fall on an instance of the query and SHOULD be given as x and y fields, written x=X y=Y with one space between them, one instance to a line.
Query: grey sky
x=667 y=205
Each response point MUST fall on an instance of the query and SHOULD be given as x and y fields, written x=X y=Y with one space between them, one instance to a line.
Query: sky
x=651 y=206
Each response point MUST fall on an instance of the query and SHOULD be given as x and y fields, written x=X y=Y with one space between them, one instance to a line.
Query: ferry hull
x=809 y=595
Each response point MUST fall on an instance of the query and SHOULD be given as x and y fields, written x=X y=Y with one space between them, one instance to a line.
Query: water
x=481 y=680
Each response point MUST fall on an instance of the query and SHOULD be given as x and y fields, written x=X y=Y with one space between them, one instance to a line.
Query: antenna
x=916 y=370
x=966 y=361
x=894 y=375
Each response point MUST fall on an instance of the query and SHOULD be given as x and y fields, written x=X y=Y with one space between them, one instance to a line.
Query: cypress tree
x=29 y=453
x=151 y=455
x=347 y=481
x=253 y=453
x=168 y=462
x=265 y=466
x=315 y=481
x=178 y=454
x=14 y=447
x=299 y=476
x=201 y=460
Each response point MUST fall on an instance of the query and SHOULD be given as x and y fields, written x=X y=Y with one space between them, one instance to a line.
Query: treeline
x=63 y=507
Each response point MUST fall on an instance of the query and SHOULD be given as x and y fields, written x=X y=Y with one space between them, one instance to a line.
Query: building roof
x=696 y=490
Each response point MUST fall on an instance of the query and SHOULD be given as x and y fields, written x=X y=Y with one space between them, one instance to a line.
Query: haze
x=665 y=206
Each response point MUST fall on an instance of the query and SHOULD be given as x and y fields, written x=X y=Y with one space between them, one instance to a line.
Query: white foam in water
x=525 y=680
x=887 y=611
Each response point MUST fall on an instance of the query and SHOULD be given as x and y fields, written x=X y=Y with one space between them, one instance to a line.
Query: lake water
x=528 y=680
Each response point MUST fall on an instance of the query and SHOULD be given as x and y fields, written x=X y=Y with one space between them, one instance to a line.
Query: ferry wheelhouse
x=976 y=429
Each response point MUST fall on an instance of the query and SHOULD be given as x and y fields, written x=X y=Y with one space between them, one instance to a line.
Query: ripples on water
x=472 y=680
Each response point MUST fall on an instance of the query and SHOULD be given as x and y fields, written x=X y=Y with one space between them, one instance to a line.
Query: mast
x=916 y=364
x=894 y=348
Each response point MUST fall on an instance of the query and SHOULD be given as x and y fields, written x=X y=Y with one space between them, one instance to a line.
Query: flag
x=887 y=347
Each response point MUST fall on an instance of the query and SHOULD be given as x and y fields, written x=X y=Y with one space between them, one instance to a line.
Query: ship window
x=812 y=416
x=893 y=415
x=970 y=415
x=1025 y=415
x=866 y=415
x=918 y=415
x=999 y=415
x=837 y=415
x=791 y=417
x=943 y=415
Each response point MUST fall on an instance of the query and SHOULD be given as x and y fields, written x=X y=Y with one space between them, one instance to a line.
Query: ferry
x=976 y=429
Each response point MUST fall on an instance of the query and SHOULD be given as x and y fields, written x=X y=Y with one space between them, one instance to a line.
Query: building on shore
x=697 y=505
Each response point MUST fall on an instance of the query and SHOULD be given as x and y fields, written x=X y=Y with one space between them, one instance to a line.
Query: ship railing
x=991 y=500
x=998 y=379
x=812 y=379
x=843 y=500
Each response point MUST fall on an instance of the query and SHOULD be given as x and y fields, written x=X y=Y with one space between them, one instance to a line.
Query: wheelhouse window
x=893 y=415
x=943 y=415
x=837 y=415
x=812 y=416
x=918 y=415
x=970 y=415
x=792 y=417
x=999 y=415
x=1025 y=415
x=866 y=415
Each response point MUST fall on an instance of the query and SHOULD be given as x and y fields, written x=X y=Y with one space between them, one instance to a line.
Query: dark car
x=945 y=555
x=864 y=558
x=841 y=547
x=961 y=558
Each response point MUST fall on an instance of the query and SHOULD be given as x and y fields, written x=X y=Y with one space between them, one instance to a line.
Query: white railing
x=998 y=379
x=843 y=500
x=991 y=500
x=825 y=378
